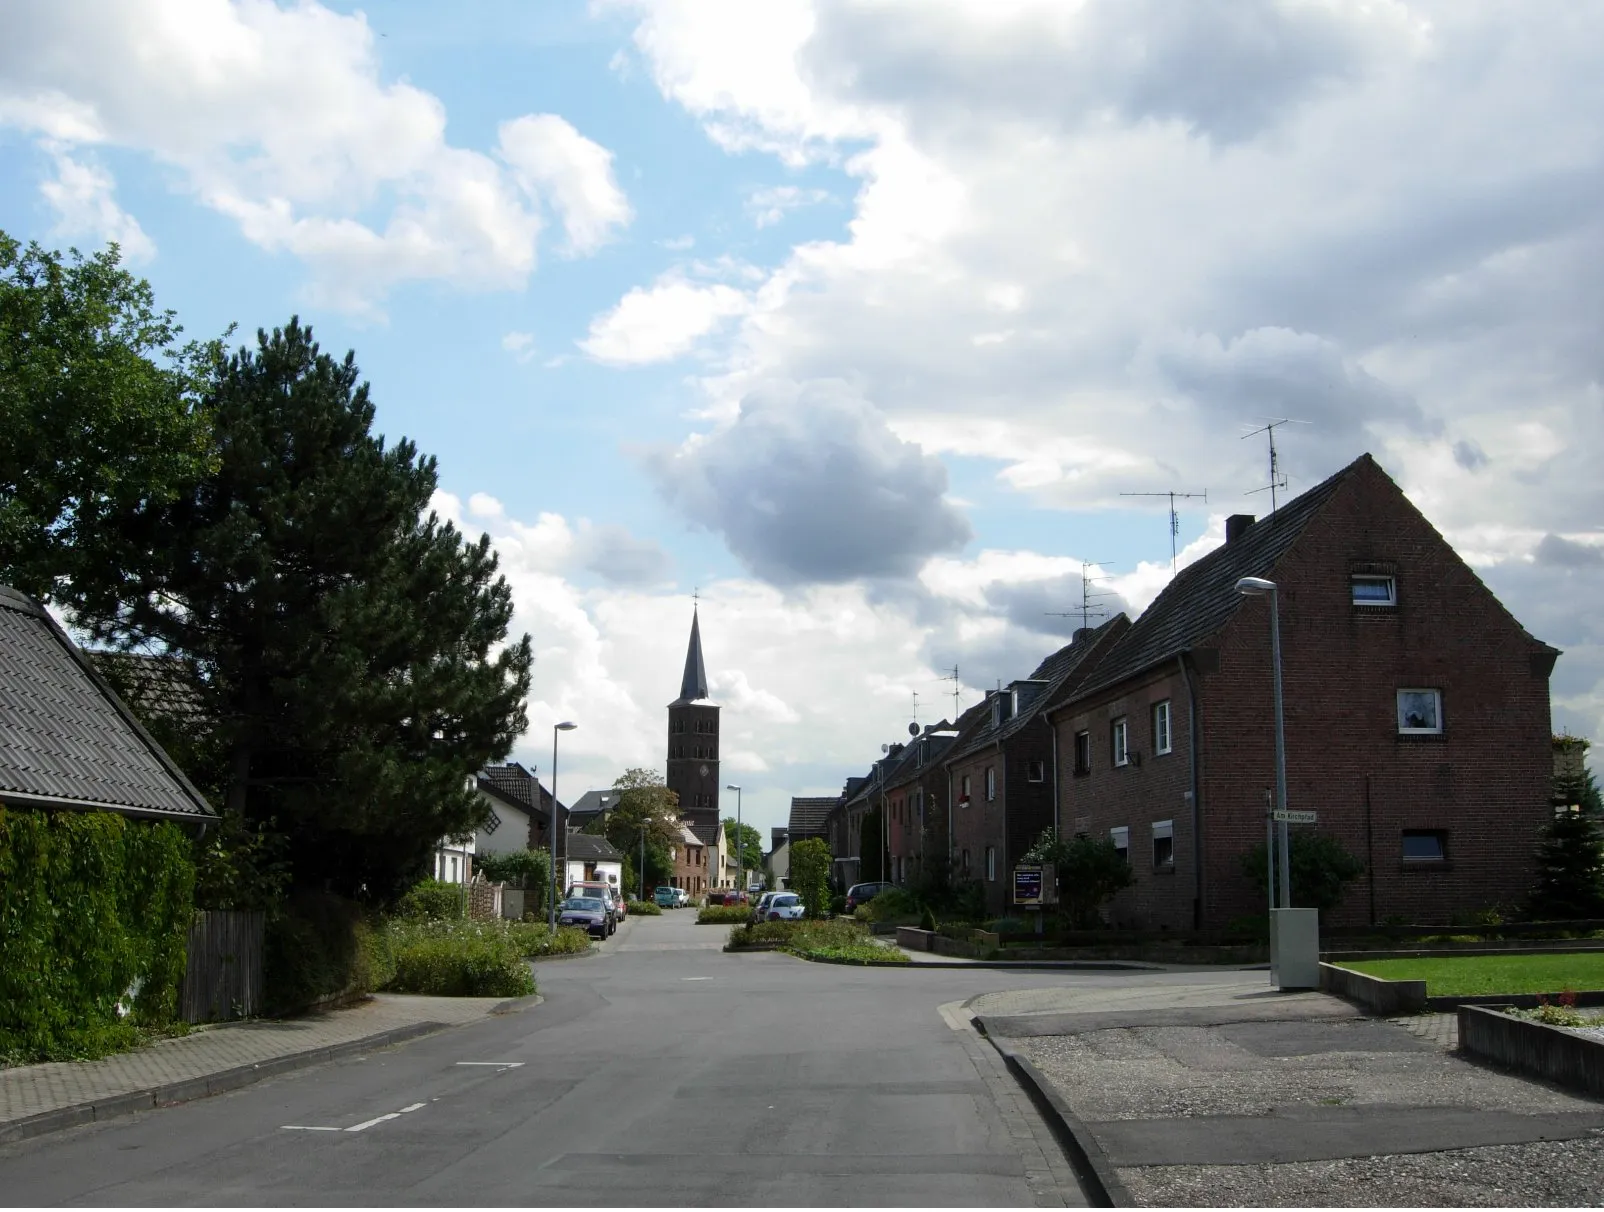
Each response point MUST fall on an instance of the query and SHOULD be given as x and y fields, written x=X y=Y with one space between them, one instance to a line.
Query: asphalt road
x=660 y=1072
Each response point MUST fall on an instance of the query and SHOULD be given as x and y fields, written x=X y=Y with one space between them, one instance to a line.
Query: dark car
x=587 y=912
x=862 y=894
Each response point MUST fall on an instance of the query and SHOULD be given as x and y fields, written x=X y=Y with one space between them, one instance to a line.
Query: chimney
x=1081 y=635
x=1237 y=525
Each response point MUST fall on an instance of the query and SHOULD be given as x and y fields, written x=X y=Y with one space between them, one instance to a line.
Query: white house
x=588 y=857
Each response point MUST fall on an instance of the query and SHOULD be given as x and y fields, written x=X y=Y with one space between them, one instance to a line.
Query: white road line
x=303 y=1128
x=414 y=1107
x=696 y=978
x=498 y=1064
x=377 y=1119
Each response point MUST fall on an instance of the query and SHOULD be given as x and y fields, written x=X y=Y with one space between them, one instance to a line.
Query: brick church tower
x=692 y=766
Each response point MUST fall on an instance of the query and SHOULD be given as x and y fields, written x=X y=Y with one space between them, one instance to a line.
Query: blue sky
x=858 y=324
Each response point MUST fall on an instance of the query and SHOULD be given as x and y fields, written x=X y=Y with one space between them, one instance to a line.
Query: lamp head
x=1253 y=586
x=565 y=726
x=731 y=787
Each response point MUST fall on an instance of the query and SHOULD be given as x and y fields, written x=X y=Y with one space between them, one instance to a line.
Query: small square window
x=1036 y=771
x=1119 y=734
x=1083 y=753
x=1161 y=727
x=1425 y=846
x=1121 y=837
x=1375 y=591
x=1163 y=843
x=1419 y=712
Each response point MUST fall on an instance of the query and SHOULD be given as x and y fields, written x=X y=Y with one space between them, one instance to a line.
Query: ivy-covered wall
x=91 y=904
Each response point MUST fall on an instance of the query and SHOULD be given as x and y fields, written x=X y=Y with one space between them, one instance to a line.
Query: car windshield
x=588 y=903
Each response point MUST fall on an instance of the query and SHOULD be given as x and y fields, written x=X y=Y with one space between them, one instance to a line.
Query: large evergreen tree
x=1570 y=850
x=349 y=647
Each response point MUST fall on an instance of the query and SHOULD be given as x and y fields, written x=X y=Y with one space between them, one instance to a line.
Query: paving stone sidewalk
x=181 y=1067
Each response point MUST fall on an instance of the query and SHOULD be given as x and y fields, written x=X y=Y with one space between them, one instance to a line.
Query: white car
x=785 y=907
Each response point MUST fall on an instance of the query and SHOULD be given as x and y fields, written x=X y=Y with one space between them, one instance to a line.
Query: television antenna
x=1087 y=611
x=1277 y=477
x=915 y=725
x=953 y=678
x=1175 y=518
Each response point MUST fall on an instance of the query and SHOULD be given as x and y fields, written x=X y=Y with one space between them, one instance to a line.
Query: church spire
x=693 y=685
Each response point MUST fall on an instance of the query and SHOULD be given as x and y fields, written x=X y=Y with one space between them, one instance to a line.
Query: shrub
x=840 y=939
x=810 y=874
x=92 y=907
x=432 y=898
x=314 y=950
x=927 y=920
x=520 y=868
x=462 y=964
x=893 y=904
x=1570 y=868
x=1007 y=925
x=723 y=915
x=1089 y=870
x=838 y=904
x=645 y=908
x=1321 y=869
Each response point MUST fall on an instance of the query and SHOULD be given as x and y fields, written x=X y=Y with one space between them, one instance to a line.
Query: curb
x=515 y=1004
x=1102 y=1185
x=593 y=949
x=193 y=1088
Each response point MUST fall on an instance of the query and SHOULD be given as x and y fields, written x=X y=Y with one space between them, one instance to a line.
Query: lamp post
x=1254 y=587
x=551 y=909
x=740 y=849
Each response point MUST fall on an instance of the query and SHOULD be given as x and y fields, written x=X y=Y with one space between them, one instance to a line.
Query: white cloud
x=768 y=206
x=85 y=201
x=281 y=118
x=521 y=345
x=662 y=321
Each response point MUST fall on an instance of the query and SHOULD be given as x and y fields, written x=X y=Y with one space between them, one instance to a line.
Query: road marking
x=498 y=1064
x=377 y=1119
x=414 y=1107
x=303 y=1128
x=696 y=978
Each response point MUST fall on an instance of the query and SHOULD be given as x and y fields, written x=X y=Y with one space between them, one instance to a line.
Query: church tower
x=693 y=739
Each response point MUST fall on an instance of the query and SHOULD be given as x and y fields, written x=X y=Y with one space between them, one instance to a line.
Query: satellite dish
x=885 y=748
x=913 y=729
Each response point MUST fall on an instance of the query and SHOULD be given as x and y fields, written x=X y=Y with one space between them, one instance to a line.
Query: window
x=1374 y=591
x=1163 y=843
x=1036 y=771
x=991 y=783
x=492 y=823
x=1161 y=727
x=1425 y=846
x=966 y=860
x=991 y=864
x=1083 y=753
x=963 y=789
x=1121 y=837
x=1419 y=712
x=1119 y=734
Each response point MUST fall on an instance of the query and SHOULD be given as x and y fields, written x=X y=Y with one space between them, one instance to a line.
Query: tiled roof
x=592 y=803
x=688 y=836
x=66 y=739
x=705 y=824
x=808 y=814
x=154 y=686
x=516 y=785
x=1203 y=596
x=589 y=846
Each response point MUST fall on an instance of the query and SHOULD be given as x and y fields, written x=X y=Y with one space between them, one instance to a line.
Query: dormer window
x=1374 y=590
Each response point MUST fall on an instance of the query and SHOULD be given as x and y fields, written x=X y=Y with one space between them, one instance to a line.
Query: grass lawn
x=1471 y=975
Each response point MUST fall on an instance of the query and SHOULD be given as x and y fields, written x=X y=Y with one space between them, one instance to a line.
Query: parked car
x=734 y=896
x=681 y=898
x=862 y=894
x=785 y=907
x=762 y=906
x=602 y=892
x=665 y=898
x=716 y=897
x=587 y=912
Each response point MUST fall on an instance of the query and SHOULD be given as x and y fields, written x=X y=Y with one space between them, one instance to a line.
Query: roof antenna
x=1087 y=611
x=916 y=711
x=1277 y=479
x=953 y=678
x=1175 y=518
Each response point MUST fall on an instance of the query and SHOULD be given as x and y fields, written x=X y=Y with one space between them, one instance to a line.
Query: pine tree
x=1570 y=852
x=349 y=648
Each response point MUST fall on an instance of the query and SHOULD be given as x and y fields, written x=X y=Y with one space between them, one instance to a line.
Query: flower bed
x=837 y=941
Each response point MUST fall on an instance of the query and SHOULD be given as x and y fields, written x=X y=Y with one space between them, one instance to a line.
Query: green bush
x=1007 y=925
x=522 y=868
x=894 y=905
x=927 y=920
x=723 y=915
x=462 y=965
x=840 y=939
x=810 y=874
x=317 y=948
x=838 y=904
x=1321 y=869
x=645 y=908
x=92 y=906
x=432 y=898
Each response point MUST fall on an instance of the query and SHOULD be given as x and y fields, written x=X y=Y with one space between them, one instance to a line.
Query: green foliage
x=1007 y=925
x=645 y=909
x=98 y=412
x=91 y=904
x=460 y=962
x=1484 y=975
x=750 y=852
x=937 y=883
x=722 y=915
x=240 y=866
x=316 y=949
x=349 y=648
x=810 y=874
x=1570 y=854
x=529 y=869
x=893 y=905
x=927 y=920
x=841 y=940
x=1090 y=871
x=1321 y=869
x=432 y=898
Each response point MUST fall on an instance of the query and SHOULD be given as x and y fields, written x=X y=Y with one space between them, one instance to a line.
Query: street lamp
x=551 y=909
x=1255 y=587
x=740 y=849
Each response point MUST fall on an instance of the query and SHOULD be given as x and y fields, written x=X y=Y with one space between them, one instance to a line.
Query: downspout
x=1197 y=808
x=1053 y=732
x=1370 y=850
x=949 y=817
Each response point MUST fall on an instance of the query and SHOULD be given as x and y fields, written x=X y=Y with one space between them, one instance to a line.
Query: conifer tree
x=1570 y=852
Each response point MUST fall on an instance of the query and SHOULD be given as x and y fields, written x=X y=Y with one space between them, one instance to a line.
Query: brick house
x=689 y=859
x=916 y=802
x=1416 y=706
x=1000 y=768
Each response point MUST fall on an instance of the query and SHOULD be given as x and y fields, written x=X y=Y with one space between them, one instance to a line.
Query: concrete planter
x=1374 y=994
x=1555 y=1053
x=914 y=939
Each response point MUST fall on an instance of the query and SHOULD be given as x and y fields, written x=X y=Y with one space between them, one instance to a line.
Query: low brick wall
x=913 y=938
x=1372 y=992
x=1536 y=1048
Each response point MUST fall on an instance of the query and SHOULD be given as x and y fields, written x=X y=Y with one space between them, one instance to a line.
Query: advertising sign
x=1035 y=884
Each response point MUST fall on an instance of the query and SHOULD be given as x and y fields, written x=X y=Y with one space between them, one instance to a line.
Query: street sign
x=1294 y=818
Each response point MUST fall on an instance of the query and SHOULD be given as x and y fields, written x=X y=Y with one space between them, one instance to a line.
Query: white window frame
x=1161 y=736
x=1120 y=835
x=1036 y=771
x=1120 y=740
x=1403 y=729
x=1391 y=584
x=991 y=864
x=991 y=783
x=1161 y=831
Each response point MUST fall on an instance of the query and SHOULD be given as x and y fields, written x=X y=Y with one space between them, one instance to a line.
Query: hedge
x=94 y=917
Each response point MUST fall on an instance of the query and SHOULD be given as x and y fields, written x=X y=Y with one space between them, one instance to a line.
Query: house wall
x=979 y=823
x=511 y=834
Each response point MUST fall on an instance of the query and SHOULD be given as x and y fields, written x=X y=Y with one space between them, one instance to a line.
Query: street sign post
x=1294 y=818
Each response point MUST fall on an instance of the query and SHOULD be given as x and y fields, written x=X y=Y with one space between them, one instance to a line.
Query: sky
x=859 y=321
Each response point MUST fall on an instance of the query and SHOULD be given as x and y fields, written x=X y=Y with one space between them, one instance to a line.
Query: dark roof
x=590 y=804
x=517 y=786
x=693 y=685
x=1203 y=596
x=808 y=814
x=589 y=846
x=1055 y=672
x=66 y=739
x=705 y=823
x=155 y=687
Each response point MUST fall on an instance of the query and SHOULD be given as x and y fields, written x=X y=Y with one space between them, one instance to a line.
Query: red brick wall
x=980 y=824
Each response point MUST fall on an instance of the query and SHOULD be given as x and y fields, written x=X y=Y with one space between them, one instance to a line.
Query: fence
x=223 y=974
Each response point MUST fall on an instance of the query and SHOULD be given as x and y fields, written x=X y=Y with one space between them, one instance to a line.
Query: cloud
x=810 y=485
x=1469 y=455
x=622 y=559
x=281 y=119
x=521 y=345
x=661 y=322
x=85 y=200
x=768 y=206
x=1556 y=552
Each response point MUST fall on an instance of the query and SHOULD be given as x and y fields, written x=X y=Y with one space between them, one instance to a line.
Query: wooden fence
x=223 y=975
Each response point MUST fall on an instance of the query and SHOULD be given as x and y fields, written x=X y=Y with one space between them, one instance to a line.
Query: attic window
x=1370 y=590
